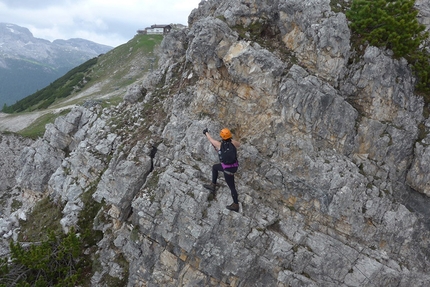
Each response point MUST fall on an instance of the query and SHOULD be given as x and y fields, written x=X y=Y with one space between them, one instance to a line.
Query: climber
x=227 y=153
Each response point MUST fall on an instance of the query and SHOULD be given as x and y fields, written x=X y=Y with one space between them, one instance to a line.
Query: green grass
x=111 y=72
x=339 y=5
x=123 y=64
x=45 y=215
x=45 y=218
x=37 y=128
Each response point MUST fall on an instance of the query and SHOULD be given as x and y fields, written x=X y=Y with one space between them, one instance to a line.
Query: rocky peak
x=11 y=31
x=333 y=176
x=18 y=42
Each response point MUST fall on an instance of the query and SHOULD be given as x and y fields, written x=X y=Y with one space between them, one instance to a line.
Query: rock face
x=333 y=178
x=11 y=147
x=12 y=207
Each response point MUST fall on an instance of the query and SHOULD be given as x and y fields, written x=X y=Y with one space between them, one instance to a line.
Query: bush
x=53 y=262
x=393 y=24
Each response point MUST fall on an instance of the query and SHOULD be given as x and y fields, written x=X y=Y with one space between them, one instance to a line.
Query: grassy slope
x=109 y=79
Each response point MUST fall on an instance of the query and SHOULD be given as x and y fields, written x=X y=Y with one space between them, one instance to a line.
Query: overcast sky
x=109 y=22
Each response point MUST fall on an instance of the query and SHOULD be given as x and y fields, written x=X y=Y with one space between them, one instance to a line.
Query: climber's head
x=225 y=134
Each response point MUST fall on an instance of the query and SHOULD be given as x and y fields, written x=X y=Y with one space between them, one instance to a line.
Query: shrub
x=52 y=262
x=388 y=23
x=393 y=24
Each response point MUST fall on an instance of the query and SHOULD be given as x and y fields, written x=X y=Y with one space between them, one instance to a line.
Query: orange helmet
x=225 y=134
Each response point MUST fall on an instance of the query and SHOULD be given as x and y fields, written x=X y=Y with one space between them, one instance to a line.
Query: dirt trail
x=15 y=123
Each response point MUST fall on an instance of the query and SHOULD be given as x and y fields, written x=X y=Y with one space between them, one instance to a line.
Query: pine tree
x=53 y=262
x=388 y=23
x=393 y=24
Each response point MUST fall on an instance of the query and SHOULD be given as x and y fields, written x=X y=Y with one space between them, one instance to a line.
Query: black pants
x=229 y=178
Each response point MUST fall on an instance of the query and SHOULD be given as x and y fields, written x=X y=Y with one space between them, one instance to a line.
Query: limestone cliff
x=333 y=180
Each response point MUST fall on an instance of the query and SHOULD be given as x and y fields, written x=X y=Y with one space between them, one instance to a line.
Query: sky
x=108 y=22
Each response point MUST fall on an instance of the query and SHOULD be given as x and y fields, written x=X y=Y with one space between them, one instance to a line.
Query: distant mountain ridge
x=28 y=63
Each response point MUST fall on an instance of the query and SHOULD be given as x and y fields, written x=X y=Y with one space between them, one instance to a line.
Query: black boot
x=211 y=187
x=233 y=207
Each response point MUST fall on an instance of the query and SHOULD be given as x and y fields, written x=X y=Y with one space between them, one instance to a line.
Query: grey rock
x=135 y=94
x=418 y=175
x=318 y=37
x=332 y=179
x=38 y=163
x=317 y=108
x=11 y=147
x=205 y=37
x=123 y=179
x=424 y=12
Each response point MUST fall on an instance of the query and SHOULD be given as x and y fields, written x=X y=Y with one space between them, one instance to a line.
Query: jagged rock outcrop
x=123 y=179
x=418 y=176
x=11 y=147
x=12 y=200
x=423 y=7
x=333 y=173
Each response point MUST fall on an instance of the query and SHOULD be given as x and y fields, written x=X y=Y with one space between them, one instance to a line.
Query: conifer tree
x=388 y=23
x=53 y=262
x=393 y=24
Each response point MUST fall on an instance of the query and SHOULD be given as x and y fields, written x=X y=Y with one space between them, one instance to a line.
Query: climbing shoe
x=233 y=206
x=211 y=187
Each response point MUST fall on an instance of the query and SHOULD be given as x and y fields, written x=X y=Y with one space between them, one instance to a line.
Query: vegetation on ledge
x=393 y=24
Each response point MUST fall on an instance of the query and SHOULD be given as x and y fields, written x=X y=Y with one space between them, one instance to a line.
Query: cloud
x=32 y=4
x=106 y=22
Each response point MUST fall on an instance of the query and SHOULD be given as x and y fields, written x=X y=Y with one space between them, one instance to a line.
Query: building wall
x=155 y=31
